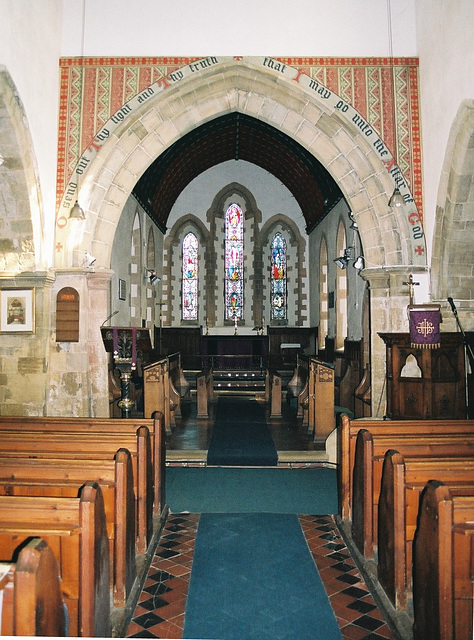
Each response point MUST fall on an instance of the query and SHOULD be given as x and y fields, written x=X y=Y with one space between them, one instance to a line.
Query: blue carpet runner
x=253 y=577
x=241 y=436
x=218 y=490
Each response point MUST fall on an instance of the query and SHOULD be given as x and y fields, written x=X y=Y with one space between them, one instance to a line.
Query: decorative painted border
x=99 y=91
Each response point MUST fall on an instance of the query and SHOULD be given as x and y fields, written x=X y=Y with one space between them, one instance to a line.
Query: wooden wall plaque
x=67 y=315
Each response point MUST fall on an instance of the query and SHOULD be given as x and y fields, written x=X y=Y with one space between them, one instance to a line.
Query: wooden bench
x=38 y=444
x=75 y=530
x=403 y=480
x=117 y=426
x=31 y=603
x=443 y=565
x=348 y=430
x=273 y=392
x=369 y=457
x=204 y=392
x=298 y=385
x=164 y=386
x=64 y=478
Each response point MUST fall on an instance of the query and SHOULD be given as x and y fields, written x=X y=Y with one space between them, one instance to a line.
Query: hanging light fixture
x=396 y=199
x=343 y=260
x=77 y=212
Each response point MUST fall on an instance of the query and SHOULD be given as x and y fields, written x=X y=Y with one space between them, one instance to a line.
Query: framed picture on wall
x=122 y=289
x=17 y=310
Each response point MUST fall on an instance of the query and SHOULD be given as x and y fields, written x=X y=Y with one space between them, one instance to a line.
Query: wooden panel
x=67 y=315
x=425 y=383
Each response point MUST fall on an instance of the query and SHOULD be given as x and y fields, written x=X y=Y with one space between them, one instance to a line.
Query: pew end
x=31 y=603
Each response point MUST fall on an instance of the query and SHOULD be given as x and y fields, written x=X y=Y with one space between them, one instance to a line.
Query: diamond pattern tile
x=161 y=607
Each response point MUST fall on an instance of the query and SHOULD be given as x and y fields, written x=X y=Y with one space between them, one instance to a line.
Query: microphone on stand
x=452 y=305
x=108 y=317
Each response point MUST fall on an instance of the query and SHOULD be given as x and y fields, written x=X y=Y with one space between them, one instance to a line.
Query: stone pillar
x=99 y=305
x=78 y=371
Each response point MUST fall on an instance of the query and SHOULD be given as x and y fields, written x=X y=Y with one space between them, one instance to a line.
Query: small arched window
x=323 y=295
x=190 y=277
x=278 y=278
x=234 y=262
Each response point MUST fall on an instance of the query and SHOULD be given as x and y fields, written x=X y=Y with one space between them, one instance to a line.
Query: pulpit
x=128 y=345
x=425 y=383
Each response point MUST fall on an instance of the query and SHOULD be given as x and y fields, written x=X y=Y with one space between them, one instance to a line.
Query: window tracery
x=190 y=277
x=278 y=278
x=234 y=262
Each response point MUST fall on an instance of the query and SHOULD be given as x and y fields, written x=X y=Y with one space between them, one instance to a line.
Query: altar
x=234 y=351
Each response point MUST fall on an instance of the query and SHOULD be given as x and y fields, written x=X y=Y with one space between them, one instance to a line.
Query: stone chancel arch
x=274 y=93
x=262 y=88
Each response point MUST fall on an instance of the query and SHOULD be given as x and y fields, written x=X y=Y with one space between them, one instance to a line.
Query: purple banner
x=424 y=326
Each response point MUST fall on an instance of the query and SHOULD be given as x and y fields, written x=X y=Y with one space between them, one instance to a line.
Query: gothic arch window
x=189 y=303
x=323 y=295
x=278 y=278
x=341 y=291
x=234 y=262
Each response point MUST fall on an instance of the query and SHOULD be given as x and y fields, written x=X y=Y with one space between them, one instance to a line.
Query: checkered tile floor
x=160 y=610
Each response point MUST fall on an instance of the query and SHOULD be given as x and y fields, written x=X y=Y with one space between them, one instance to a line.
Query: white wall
x=239 y=27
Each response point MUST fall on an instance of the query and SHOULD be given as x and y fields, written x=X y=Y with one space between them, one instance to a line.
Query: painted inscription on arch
x=331 y=100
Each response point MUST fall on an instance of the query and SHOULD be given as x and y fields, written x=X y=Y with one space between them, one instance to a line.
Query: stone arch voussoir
x=283 y=103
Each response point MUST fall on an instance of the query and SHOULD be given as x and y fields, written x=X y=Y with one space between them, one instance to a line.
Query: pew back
x=94 y=446
x=75 y=529
x=348 y=430
x=397 y=524
x=443 y=569
x=64 y=478
x=369 y=457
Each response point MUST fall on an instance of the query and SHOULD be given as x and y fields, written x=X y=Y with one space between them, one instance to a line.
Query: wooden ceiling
x=237 y=137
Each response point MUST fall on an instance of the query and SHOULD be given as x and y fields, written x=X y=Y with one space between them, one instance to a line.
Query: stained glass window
x=234 y=262
x=190 y=277
x=278 y=277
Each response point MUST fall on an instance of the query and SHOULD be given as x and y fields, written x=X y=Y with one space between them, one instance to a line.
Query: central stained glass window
x=190 y=277
x=278 y=279
x=234 y=262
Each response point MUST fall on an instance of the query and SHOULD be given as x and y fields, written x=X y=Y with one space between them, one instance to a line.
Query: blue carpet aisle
x=240 y=436
x=244 y=583
x=160 y=612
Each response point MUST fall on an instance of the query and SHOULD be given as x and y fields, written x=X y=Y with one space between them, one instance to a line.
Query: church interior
x=237 y=319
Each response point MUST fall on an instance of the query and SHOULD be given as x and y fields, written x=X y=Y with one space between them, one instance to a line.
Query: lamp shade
x=77 y=213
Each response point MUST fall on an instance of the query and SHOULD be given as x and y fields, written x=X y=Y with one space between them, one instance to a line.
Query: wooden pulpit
x=127 y=346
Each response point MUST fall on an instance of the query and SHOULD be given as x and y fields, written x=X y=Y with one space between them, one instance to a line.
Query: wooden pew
x=348 y=430
x=204 y=392
x=403 y=480
x=273 y=392
x=119 y=426
x=321 y=416
x=75 y=530
x=178 y=380
x=369 y=457
x=65 y=478
x=443 y=565
x=298 y=385
x=31 y=594
x=362 y=395
x=38 y=444
x=158 y=392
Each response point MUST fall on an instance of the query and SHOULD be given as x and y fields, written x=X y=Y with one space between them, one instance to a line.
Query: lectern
x=127 y=345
